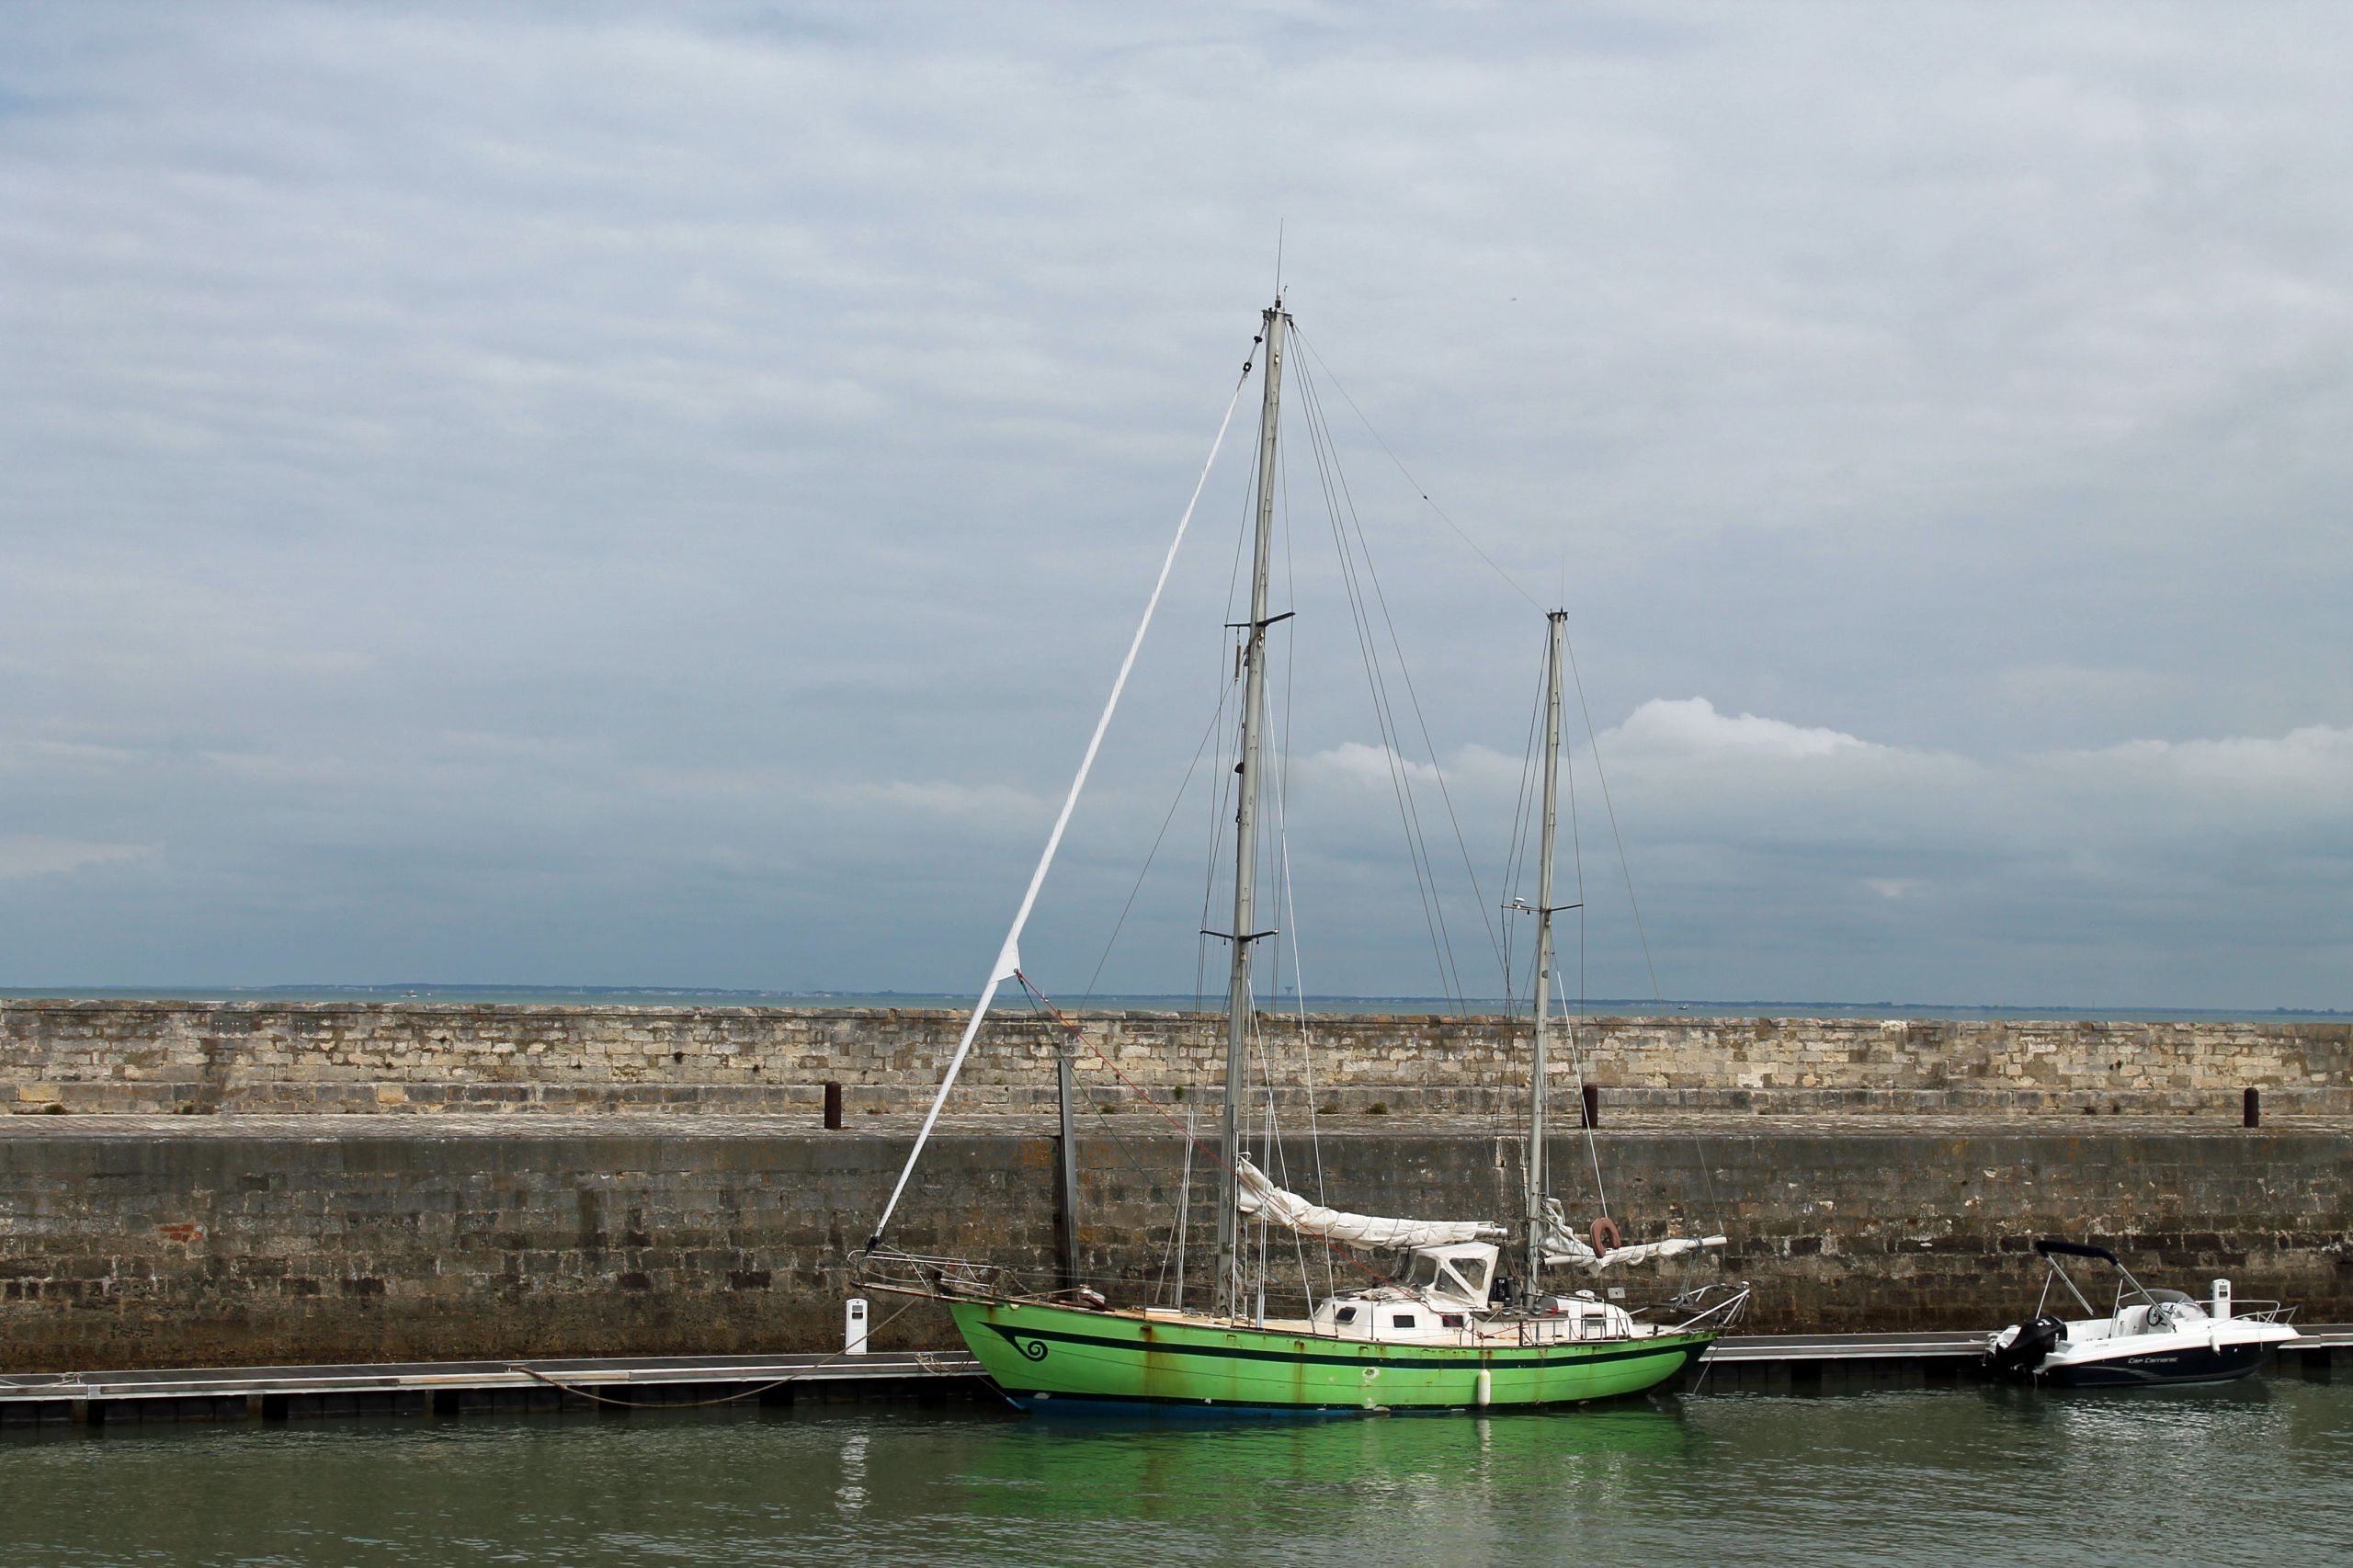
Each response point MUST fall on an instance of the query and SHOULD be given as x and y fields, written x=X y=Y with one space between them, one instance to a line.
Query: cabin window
x=1473 y=1275
x=1450 y=1320
x=1403 y=1320
x=1346 y=1315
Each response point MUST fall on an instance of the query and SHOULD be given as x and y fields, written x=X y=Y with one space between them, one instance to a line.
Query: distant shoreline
x=684 y=996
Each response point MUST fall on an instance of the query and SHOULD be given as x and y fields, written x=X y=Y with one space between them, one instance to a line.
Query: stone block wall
x=260 y=1240
x=411 y=1057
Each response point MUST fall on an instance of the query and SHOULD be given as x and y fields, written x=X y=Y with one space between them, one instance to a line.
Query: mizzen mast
x=1537 y=1176
x=1246 y=834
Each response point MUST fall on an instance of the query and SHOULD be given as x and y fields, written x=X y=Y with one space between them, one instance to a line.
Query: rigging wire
x=1306 y=1039
x=1228 y=676
x=1278 y=1159
x=1601 y=774
x=1366 y=596
x=1392 y=753
x=1219 y=777
x=1394 y=756
x=1522 y=822
x=1008 y=959
x=1524 y=838
x=1175 y=802
x=1509 y=580
x=1316 y=355
x=1144 y=1096
x=1273 y=783
x=1096 y=1103
x=1175 y=1250
x=1626 y=869
x=1312 y=395
x=1593 y=741
x=1592 y=1146
x=1285 y=884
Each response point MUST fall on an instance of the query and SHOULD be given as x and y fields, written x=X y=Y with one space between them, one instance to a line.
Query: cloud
x=1692 y=727
x=59 y=758
x=2313 y=764
x=953 y=801
x=658 y=496
x=23 y=856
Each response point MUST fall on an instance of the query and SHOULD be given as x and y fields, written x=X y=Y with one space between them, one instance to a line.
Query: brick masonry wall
x=152 y=1241
x=393 y=1058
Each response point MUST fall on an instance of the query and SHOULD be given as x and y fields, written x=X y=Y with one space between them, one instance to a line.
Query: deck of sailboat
x=1494 y=1332
x=1538 y=1333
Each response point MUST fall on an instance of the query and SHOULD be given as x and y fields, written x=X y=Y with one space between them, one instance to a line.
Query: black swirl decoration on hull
x=1031 y=1350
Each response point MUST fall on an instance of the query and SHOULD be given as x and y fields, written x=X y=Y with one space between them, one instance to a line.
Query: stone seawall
x=140 y=1057
x=223 y=1239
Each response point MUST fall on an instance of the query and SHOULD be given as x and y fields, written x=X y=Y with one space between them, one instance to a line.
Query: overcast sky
x=615 y=496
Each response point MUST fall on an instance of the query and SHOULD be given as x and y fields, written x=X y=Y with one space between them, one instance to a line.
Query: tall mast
x=1246 y=832
x=1544 y=912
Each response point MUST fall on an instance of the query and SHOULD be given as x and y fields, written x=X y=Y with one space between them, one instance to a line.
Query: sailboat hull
x=1047 y=1358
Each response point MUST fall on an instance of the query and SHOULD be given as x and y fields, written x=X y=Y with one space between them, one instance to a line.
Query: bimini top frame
x=2050 y=1249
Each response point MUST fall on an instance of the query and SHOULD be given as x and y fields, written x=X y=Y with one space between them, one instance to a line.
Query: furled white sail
x=1563 y=1245
x=1638 y=1252
x=1256 y=1194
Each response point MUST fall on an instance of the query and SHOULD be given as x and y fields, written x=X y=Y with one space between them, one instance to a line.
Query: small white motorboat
x=2147 y=1336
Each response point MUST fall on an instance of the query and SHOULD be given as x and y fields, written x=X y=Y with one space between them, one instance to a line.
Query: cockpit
x=1460 y=1275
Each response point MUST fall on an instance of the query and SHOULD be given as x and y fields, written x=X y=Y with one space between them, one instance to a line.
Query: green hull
x=1042 y=1356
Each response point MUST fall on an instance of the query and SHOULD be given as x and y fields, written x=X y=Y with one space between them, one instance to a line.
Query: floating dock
x=467 y=1388
x=1766 y=1363
x=1808 y=1362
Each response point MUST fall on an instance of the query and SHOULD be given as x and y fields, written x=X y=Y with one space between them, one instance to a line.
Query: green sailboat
x=1448 y=1332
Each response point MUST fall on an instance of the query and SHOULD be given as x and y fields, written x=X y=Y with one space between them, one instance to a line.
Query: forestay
x=1008 y=958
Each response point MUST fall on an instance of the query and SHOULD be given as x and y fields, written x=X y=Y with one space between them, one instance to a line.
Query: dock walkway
x=1767 y=1361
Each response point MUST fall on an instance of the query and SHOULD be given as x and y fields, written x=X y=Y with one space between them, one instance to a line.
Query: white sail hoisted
x=1256 y=1194
x=1563 y=1245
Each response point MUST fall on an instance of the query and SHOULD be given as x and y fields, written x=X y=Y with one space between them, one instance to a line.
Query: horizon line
x=418 y=988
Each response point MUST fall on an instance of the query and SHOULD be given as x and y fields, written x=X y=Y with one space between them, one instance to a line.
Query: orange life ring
x=1605 y=1236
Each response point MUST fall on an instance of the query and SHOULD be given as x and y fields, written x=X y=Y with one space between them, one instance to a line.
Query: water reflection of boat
x=2147 y=1336
x=1138 y=1470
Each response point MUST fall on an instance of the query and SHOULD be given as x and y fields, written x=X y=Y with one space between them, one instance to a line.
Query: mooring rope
x=922 y=1359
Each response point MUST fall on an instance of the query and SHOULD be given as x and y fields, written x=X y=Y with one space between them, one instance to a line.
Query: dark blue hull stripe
x=1040 y=1402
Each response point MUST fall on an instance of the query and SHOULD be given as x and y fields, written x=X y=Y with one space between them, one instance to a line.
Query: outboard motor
x=2018 y=1349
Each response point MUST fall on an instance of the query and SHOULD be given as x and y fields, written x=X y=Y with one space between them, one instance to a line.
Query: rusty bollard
x=833 y=1107
x=2251 y=1113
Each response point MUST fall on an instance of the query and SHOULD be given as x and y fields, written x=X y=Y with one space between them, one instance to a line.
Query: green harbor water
x=2260 y=1473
